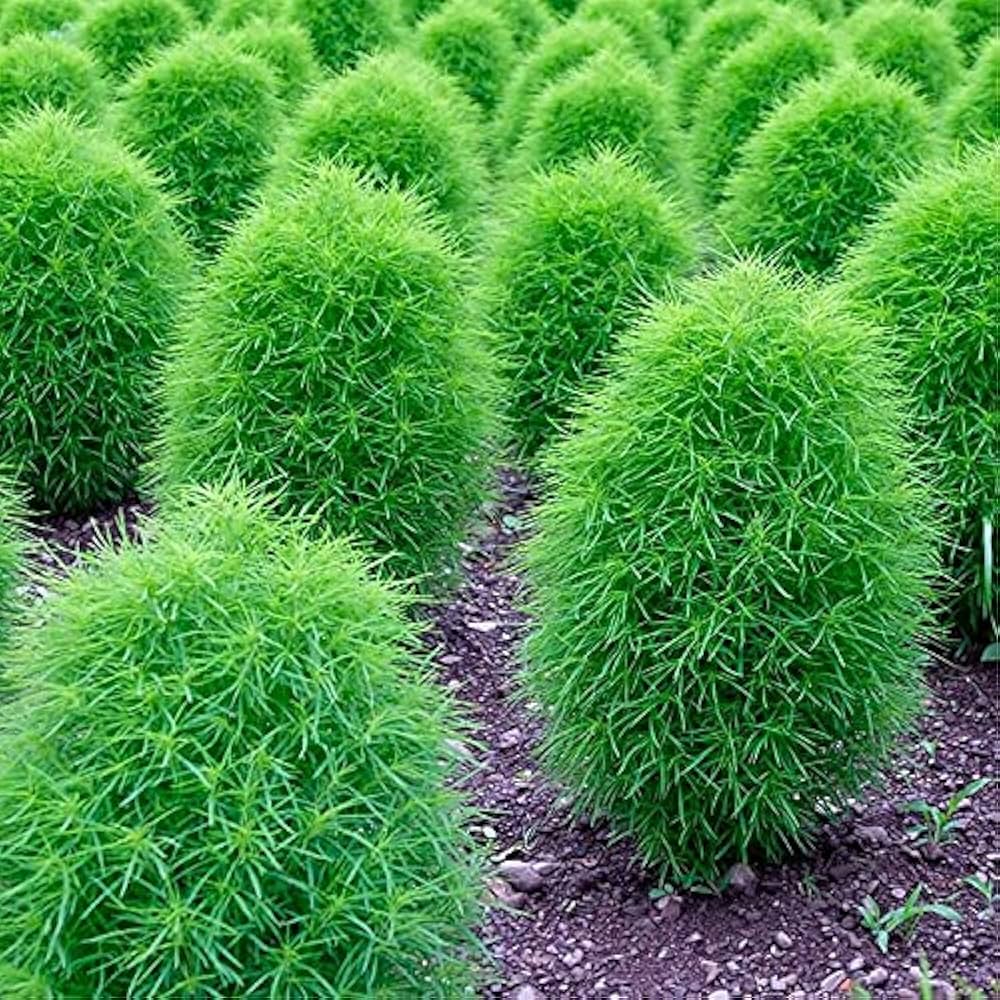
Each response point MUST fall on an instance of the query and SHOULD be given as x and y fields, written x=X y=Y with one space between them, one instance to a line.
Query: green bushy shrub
x=203 y=10
x=927 y=273
x=676 y=16
x=712 y=37
x=401 y=122
x=205 y=115
x=745 y=86
x=896 y=36
x=638 y=19
x=286 y=49
x=561 y=50
x=12 y=539
x=736 y=510
x=825 y=10
x=528 y=20
x=972 y=113
x=92 y=273
x=342 y=31
x=124 y=33
x=39 y=17
x=578 y=253
x=974 y=21
x=37 y=71
x=226 y=776
x=376 y=401
x=822 y=163
x=610 y=101
x=232 y=14
x=471 y=43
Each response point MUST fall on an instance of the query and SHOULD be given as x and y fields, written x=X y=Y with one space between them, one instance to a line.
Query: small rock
x=877 y=977
x=505 y=895
x=874 y=835
x=718 y=995
x=574 y=957
x=782 y=940
x=484 y=627
x=833 y=982
x=522 y=876
x=527 y=993
x=907 y=995
x=743 y=879
x=711 y=969
x=856 y=964
x=511 y=738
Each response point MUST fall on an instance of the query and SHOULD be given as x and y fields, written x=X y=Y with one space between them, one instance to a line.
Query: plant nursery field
x=499 y=498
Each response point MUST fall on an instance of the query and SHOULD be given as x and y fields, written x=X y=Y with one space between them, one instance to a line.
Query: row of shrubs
x=224 y=771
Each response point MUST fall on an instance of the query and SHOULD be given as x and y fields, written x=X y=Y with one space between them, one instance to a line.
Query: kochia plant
x=37 y=71
x=471 y=43
x=578 y=253
x=610 y=101
x=638 y=19
x=230 y=14
x=917 y=43
x=402 y=123
x=927 y=273
x=205 y=115
x=972 y=113
x=332 y=351
x=92 y=274
x=736 y=511
x=745 y=86
x=975 y=23
x=37 y=16
x=342 y=31
x=12 y=543
x=286 y=49
x=226 y=775
x=676 y=16
x=124 y=33
x=822 y=163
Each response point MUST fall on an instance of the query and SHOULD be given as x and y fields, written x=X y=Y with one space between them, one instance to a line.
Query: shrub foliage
x=471 y=43
x=918 y=43
x=344 y=30
x=755 y=77
x=286 y=49
x=927 y=272
x=974 y=21
x=638 y=19
x=225 y=776
x=578 y=253
x=736 y=511
x=92 y=272
x=331 y=351
x=205 y=115
x=401 y=122
x=37 y=71
x=972 y=113
x=232 y=14
x=36 y=16
x=822 y=163
x=124 y=33
x=12 y=516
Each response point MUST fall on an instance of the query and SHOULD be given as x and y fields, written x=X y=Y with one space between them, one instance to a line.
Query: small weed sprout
x=904 y=919
x=940 y=825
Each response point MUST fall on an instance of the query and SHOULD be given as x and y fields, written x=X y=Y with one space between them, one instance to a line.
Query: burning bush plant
x=286 y=49
x=205 y=115
x=926 y=272
x=579 y=252
x=917 y=43
x=402 y=123
x=36 y=71
x=342 y=31
x=822 y=163
x=225 y=774
x=38 y=17
x=331 y=351
x=124 y=33
x=745 y=86
x=12 y=515
x=638 y=19
x=975 y=23
x=92 y=276
x=232 y=14
x=972 y=113
x=736 y=510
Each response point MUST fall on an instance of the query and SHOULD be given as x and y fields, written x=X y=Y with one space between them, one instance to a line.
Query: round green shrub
x=896 y=36
x=736 y=512
x=751 y=81
x=124 y=33
x=825 y=10
x=712 y=37
x=974 y=21
x=344 y=30
x=233 y=732
x=610 y=101
x=561 y=50
x=376 y=402
x=400 y=122
x=472 y=44
x=37 y=71
x=579 y=252
x=203 y=10
x=205 y=115
x=972 y=113
x=822 y=163
x=927 y=273
x=92 y=276
x=39 y=17
x=638 y=19
x=286 y=49
x=676 y=16
x=12 y=545
x=232 y=14
x=528 y=20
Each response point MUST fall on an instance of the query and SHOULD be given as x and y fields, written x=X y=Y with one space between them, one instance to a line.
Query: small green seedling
x=985 y=886
x=939 y=825
x=903 y=918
